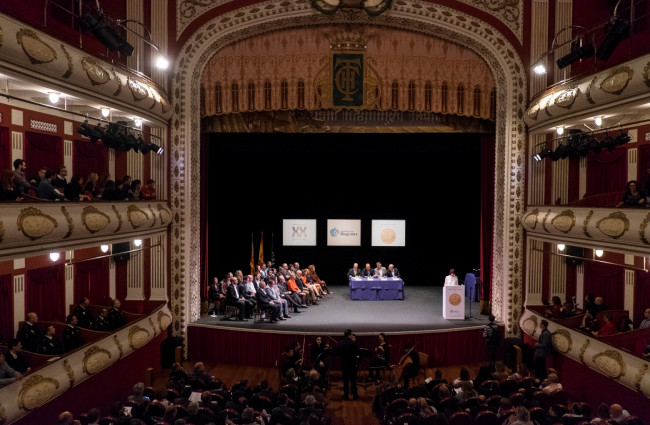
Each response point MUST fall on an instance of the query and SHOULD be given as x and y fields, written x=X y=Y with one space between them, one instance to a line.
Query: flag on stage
x=252 y=256
x=272 y=251
x=260 y=256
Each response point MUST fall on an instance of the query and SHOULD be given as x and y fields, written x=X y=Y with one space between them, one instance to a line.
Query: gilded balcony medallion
x=617 y=81
x=639 y=377
x=36 y=49
x=164 y=320
x=69 y=372
x=94 y=220
x=138 y=90
x=614 y=225
x=565 y=221
x=530 y=324
x=566 y=98
x=136 y=216
x=138 y=337
x=34 y=224
x=96 y=74
x=530 y=220
x=36 y=391
x=96 y=359
x=610 y=363
x=562 y=340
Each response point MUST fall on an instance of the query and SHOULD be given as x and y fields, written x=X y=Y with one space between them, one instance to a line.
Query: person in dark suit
x=49 y=344
x=355 y=271
x=29 y=334
x=246 y=292
x=392 y=271
x=348 y=350
x=101 y=323
x=71 y=334
x=16 y=360
x=282 y=411
x=234 y=298
x=264 y=301
x=115 y=316
x=367 y=271
x=84 y=317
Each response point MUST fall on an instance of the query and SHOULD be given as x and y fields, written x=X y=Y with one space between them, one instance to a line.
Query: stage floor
x=419 y=311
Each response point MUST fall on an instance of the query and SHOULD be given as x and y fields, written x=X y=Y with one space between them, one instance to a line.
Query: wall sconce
x=104 y=248
x=559 y=131
x=53 y=97
x=599 y=121
x=54 y=256
x=560 y=247
x=137 y=242
x=598 y=252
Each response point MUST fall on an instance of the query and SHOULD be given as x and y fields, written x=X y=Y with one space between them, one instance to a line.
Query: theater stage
x=420 y=310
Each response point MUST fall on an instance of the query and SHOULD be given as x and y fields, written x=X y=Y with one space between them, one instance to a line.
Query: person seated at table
x=367 y=271
x=355 y=271
x=380 y=271
x=392 y=271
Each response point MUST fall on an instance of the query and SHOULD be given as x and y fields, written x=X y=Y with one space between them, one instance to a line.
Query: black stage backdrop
x=430 y=180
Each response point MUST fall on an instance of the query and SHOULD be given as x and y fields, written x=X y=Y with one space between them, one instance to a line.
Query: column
x=159 y=267
x=19 y=299
x=134 y=275
x=535 y=263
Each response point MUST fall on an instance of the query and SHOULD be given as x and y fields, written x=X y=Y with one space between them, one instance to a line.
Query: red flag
x=252 y=256
x=260 y=256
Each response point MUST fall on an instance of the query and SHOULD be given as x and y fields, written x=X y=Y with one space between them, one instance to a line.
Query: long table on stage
x=376 y=289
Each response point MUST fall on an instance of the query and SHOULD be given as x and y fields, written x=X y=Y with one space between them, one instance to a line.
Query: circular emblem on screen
x=454 y=299
x=334 y=232
x=388 y=236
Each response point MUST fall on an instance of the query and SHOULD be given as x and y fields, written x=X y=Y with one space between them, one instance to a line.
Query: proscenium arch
x=434 y=20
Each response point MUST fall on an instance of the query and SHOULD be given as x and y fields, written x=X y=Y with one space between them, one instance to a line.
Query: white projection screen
x=343 y=232
x=388 y=232
x=299 y=232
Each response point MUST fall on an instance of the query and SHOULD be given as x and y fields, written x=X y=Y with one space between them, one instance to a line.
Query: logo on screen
x=388 y=236
x=299 y=231
x=334 y=232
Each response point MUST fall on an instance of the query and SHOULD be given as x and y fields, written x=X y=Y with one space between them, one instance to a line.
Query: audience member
x=9 y=190
x=101 y=322
x=633 y=196
x=492 y=338
x=138 y=396
x=46 y=190
x=60 y=179
x=73 y=191
x=521 y=417
x=148 y=192
x=84 y=317
x=71 y=334
x=29 y=334
x=645 y=323
x=617 y=413
x=15 y=359
x=115 y=316
x=90 y=189
x=543 y=349
x=50 y=345
x=552 y=384
x=22 y=185
x=608 y=327
x=7 y=374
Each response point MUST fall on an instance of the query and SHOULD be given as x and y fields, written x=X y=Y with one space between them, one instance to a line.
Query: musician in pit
x=348 y=350
x=408 y=366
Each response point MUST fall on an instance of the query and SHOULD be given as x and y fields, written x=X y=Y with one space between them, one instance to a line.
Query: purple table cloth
x=377 y=289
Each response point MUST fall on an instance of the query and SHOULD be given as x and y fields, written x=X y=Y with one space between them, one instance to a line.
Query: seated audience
x=617 y=413
x=555 y=309
x=138 y=396
x=71 y=334
x=645 y=323
x=148 y=192
x=552 y=384
x=633 y=196
x=101 y=322
x=46 y=190
x=90 y=189
x=73 y=191
x=15 y=359
x=29 y=334
x=521 y=417
x=9 y=190
x=84 y=317
x=7 y=374
x=608 y=327
x=134 y=190
x=199 y=373
x=115 y=316
x=50 y=344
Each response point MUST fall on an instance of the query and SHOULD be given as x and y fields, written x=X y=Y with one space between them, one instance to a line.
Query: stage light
x=594 y=145
x=97 y=133
x=618 y=30
x=608 y=143
x=54 y=256
x=540 y=68
x=105 y=112
x=578 y=51
x=162 y=62
x=622 y=139
x=104 y=248
x=84 y=129
x=561 y=247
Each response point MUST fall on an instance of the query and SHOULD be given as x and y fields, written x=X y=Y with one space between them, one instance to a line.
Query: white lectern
x=453 y=302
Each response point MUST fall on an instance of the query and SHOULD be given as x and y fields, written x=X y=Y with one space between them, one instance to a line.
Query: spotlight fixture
x=540 y=67
x=608 y=143
x=97 y=133
x=104 y=248
x=622 y=139
x=618 y=30
x=53 y=97
x=84 y=129
x=578 y=51
x=542 y=151
x=106 y=33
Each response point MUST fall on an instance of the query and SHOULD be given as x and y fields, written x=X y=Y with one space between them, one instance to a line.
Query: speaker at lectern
x=453 y=302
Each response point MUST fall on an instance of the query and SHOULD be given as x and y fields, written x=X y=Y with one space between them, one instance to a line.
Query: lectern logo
x=454 y=299
x=348 y=80
x=299 y=231
x=388 y=236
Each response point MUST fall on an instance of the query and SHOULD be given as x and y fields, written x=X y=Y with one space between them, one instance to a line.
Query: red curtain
x=45 y=293
x=606 y=171
x=91 y=279
x=488 y=146
x=605 y=280
x=5 y=149
x=205 y=203
x=6 y=308
x=89 y=157
x=641 y=295
x=42 y=150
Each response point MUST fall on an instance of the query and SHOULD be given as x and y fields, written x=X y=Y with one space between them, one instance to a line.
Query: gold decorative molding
x=642 y=227
x=531 y=219
x=153 y=216
x=567 y=97
x=544 y=221
x=153 y=326
x=136 y=216
x=138 y=90
x=590 y=86
x=118 y=80
x=533 y=111
x=119 y=219
x=164 y=214
x=645 y=75
x=610 y=363
x=36 y=391
x=164 y=320
x=562 y=340
x=639 y=377
x=95 y=359
x=616 y=82
x=70 y=222
x=36 y=50
x=96 y=74
x=118 y=343
x=585 y=224
x=70 y=69
x=34 y=224
x=69 y=371
x=94 y=220
x=530 y=324
x=138 y=337
x=583 y=349
x=614 y=225
x=565 y=221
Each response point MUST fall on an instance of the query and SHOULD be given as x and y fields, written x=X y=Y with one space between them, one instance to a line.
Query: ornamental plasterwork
x=36 y=391
x=189 y=10
x=462 y=29
x=510 y=12
x=36 y=49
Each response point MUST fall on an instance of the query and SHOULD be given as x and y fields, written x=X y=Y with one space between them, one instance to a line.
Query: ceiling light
x=559 y=131
x=137 y=242
x=561 y=247
x=162 y=62
x=104 y=248
x=105 y=112
x=54 y=97
x=599 y=121
x=138 y=122
x=598 y=252
x=54 y=256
